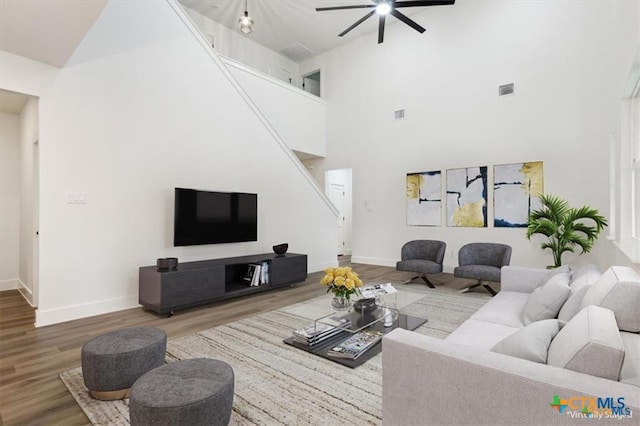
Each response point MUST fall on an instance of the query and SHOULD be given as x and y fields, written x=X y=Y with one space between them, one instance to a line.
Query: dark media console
x=197 y=283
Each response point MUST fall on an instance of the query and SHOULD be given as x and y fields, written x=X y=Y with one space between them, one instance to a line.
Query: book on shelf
x=356 y=345
x=248 y=277
x=317 y=333
x=377 y=290
x=257 y=274
x=255 y=279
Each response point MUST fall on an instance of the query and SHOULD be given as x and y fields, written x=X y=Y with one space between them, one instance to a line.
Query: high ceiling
x=50 y=30
x=47 y=31
x=290 y=26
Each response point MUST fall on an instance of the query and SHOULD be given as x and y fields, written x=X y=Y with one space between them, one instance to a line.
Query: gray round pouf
x=189 y=392
x=112 y=362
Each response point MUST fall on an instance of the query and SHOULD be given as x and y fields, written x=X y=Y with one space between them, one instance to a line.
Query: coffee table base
x=407 y=322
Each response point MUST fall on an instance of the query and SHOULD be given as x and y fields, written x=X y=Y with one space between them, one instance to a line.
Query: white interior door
x=337 y=196
x=36 y=224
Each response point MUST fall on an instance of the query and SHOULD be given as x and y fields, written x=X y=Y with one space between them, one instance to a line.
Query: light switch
x=76 y=198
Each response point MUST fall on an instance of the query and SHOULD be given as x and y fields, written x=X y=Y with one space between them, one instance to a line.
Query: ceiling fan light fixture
x=245 y=23
x=383 y=8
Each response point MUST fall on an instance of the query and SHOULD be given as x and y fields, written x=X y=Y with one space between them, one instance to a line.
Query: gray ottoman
x=112 y=362
x=189 y=392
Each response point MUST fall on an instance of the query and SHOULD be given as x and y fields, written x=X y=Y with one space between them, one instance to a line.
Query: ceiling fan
x=384 y=8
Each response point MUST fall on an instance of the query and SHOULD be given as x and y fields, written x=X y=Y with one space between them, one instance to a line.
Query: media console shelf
x=205 y=281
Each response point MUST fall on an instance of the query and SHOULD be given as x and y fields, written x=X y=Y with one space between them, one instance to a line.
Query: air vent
x=398 y=114
x=506 y=89
x=296 y=52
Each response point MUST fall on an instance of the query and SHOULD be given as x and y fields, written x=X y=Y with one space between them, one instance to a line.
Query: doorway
x=311 y=83
x=20 y=259
x=337 y=196
x=338 y=187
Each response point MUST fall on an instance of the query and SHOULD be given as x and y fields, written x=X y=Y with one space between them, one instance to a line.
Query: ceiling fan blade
x=358 y=22
x=381 y=29
x=359 y=6
x=424 y=3
x=407 y=21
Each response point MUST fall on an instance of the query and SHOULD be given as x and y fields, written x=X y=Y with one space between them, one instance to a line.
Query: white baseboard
x=9 y=284
x=68 y=313
x=322 y=266
x=374 y=261
x=26 y=292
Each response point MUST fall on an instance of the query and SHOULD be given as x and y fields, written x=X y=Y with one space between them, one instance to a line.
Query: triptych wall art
x=515 y=190
x=424 y=198
x=515 y=193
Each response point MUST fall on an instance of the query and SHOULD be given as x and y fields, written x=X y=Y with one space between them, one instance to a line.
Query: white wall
x=568 y=61
x=9 y=200
x=299 y=117
x=143 y=107
x=241 y=48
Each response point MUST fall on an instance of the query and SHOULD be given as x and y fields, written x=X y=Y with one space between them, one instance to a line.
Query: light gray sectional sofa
x=550 y=348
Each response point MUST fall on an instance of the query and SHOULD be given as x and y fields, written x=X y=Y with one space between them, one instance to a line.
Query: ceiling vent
x=296 y=52
x=398 y=114
x=506 y=89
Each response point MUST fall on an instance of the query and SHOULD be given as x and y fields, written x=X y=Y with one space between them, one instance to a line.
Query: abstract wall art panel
x=424 y=199
x=467 y=197
x=515 y=193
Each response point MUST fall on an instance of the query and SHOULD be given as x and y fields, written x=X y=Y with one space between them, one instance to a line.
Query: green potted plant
x=565 y=227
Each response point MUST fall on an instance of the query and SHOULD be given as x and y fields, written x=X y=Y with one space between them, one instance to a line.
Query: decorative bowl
x=364 y=306
x=280 y=248
x=167 y=263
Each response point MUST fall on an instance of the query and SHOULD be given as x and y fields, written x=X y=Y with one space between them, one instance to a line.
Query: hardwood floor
x=31 y=358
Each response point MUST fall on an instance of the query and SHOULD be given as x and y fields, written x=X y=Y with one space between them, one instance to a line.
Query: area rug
x=276 y=384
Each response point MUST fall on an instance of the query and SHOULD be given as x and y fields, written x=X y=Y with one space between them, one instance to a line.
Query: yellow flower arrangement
x=341 y=281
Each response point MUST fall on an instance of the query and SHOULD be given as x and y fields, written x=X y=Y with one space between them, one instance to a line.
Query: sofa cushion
x=546 y=300
x=504 y=308
x=630 y=372
x=531 y=342
x=584 y=275
x=618 y=289
x=581 y=278
x=480 y=334
x=590 y=343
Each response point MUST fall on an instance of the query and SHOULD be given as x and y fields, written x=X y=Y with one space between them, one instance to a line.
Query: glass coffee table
x=342 y=325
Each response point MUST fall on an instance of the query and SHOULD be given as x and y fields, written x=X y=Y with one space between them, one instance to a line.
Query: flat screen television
x=207 y=217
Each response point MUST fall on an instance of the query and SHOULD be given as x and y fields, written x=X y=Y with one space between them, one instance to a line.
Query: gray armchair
x=423 y=257
x=482 y=262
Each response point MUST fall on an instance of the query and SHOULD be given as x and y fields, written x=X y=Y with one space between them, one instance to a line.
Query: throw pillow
x=618 y=289
x=545 y=301
x=590 y=343
x=572 y=306
x=581 y=279
x=564 y=269
x=531 y=342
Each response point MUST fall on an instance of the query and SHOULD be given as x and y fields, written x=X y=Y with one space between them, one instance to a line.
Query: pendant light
x=246 y=23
